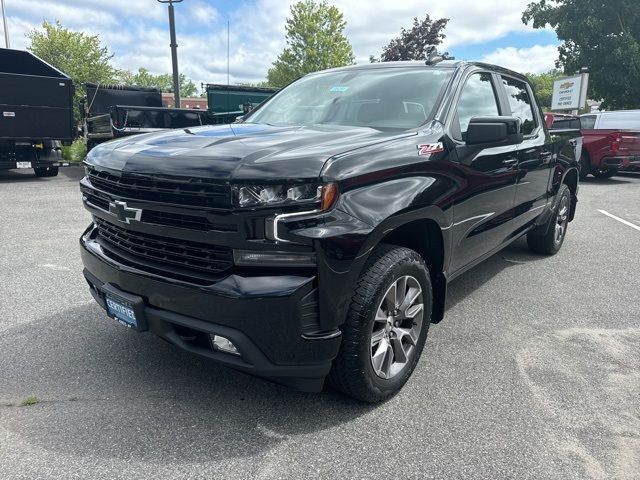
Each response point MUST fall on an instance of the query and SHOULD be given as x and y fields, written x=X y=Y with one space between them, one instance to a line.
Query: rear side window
x=478 y=99
x=620 y=121
x=520 y=103
x=588 y=122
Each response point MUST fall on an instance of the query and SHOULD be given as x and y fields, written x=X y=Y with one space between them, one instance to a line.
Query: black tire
x=45 y=171
x=604 y=173
x=353 y=371
x=585 y=166
x=546 y=238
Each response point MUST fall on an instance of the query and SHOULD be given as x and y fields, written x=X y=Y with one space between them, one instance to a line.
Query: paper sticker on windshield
x=338 y=88
x=430 y=148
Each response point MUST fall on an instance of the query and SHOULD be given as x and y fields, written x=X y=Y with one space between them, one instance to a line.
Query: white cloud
x=136 y=30
x=535 y=59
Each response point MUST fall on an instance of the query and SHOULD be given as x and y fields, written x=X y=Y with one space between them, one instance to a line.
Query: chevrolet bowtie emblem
x=122 y=212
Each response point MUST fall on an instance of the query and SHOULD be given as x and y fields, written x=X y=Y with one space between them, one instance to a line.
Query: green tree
x=412 y=44
x=144 y=78
x=543 y=86
x=602 y=36
x=77 y=54
x=315 y=41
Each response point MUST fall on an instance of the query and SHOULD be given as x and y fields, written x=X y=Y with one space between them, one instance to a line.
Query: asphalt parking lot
x=534 y=373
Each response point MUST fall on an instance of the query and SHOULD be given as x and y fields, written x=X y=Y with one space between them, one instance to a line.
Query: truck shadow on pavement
x=73 y=174
x=517 y=253
x=109 y=392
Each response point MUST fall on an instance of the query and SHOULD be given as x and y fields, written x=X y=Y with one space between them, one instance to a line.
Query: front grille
x=200 y=192
x=171 y=256
x=176 y=220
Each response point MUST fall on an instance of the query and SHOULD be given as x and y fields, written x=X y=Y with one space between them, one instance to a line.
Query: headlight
x=274 y=195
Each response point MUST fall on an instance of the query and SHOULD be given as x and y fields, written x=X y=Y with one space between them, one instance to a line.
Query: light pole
x=174 y=51
x=6 y=29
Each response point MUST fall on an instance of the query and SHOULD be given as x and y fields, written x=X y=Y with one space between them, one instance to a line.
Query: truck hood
x=236 y=152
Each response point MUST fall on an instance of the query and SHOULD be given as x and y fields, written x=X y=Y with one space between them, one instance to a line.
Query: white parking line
x=632 y=225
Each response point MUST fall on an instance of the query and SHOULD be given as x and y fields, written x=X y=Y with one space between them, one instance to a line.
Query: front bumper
x=272 y=320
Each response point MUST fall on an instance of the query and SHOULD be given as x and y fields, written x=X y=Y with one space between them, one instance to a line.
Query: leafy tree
x=602 y=36
x=412 y=44
x=144 y=78
x=543 y=86
x=315 y=41
x=77 y=54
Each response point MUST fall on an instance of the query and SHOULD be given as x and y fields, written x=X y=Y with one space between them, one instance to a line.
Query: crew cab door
x=483 y=212
x=535 y=153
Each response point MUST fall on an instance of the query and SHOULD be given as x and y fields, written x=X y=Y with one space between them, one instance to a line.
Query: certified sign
x=569 y=93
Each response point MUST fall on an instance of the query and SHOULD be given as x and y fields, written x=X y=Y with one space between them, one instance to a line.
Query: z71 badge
x=430 y=148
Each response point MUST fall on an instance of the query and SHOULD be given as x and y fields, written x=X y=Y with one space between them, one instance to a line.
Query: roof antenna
x=434 y=57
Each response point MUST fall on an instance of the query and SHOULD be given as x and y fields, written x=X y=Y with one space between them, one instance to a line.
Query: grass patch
x=76 y=152
x=30 y=400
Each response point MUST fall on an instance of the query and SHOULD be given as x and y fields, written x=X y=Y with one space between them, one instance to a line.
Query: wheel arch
x=425 y=237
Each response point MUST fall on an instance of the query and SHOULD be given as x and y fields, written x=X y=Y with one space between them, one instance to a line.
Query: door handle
x=509 y=161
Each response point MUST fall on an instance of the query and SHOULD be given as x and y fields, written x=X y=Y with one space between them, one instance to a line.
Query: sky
x=136 y=32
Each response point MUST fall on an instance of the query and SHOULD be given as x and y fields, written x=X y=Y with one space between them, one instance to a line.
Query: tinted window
x=383 y=98
x=588 y=121
x=520 y=103
x=477 y=100
x=620 y=120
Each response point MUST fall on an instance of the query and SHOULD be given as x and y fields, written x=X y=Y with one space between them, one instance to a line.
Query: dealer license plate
x=122 y=312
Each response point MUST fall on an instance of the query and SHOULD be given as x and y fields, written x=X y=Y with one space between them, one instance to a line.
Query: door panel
x=483 y=218
x=535 y=156
x=483 y=212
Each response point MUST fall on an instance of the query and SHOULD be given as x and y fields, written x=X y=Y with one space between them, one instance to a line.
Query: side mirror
x=493 y=131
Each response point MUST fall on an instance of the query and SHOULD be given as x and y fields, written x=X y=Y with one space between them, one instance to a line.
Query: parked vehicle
x=317 y=237
x=611 y=143
x=36 y=105
x=114 y=111
x=228 y=102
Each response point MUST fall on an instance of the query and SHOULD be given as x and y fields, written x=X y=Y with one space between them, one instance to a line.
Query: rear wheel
x=46 y=171
x=548 y=238
x=585 y=166
x=386 y=326
x=604 y=173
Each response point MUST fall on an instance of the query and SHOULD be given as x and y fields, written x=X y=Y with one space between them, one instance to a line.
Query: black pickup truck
x=316 y=238
x=114 y=111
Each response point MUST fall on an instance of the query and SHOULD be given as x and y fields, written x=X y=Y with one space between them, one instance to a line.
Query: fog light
x=249 y=258
x=223 y=344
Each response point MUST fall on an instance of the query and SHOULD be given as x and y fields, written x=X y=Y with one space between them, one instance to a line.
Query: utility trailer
x=113 y=111
x=226 y=103
x=36 y=113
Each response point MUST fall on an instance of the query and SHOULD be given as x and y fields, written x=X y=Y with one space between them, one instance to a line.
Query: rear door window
x=520 y=103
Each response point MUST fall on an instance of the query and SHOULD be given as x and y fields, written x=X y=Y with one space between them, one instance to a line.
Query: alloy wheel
x=561 y=220
x=397 y=326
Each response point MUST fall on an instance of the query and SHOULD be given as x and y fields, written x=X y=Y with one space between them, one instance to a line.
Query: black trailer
x=113 y=111
x=36 y=113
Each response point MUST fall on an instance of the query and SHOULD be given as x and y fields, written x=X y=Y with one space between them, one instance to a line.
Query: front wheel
x=548 y=238
x=386 y=326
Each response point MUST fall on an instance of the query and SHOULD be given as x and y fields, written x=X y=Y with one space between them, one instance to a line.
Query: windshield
x=390 y=98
